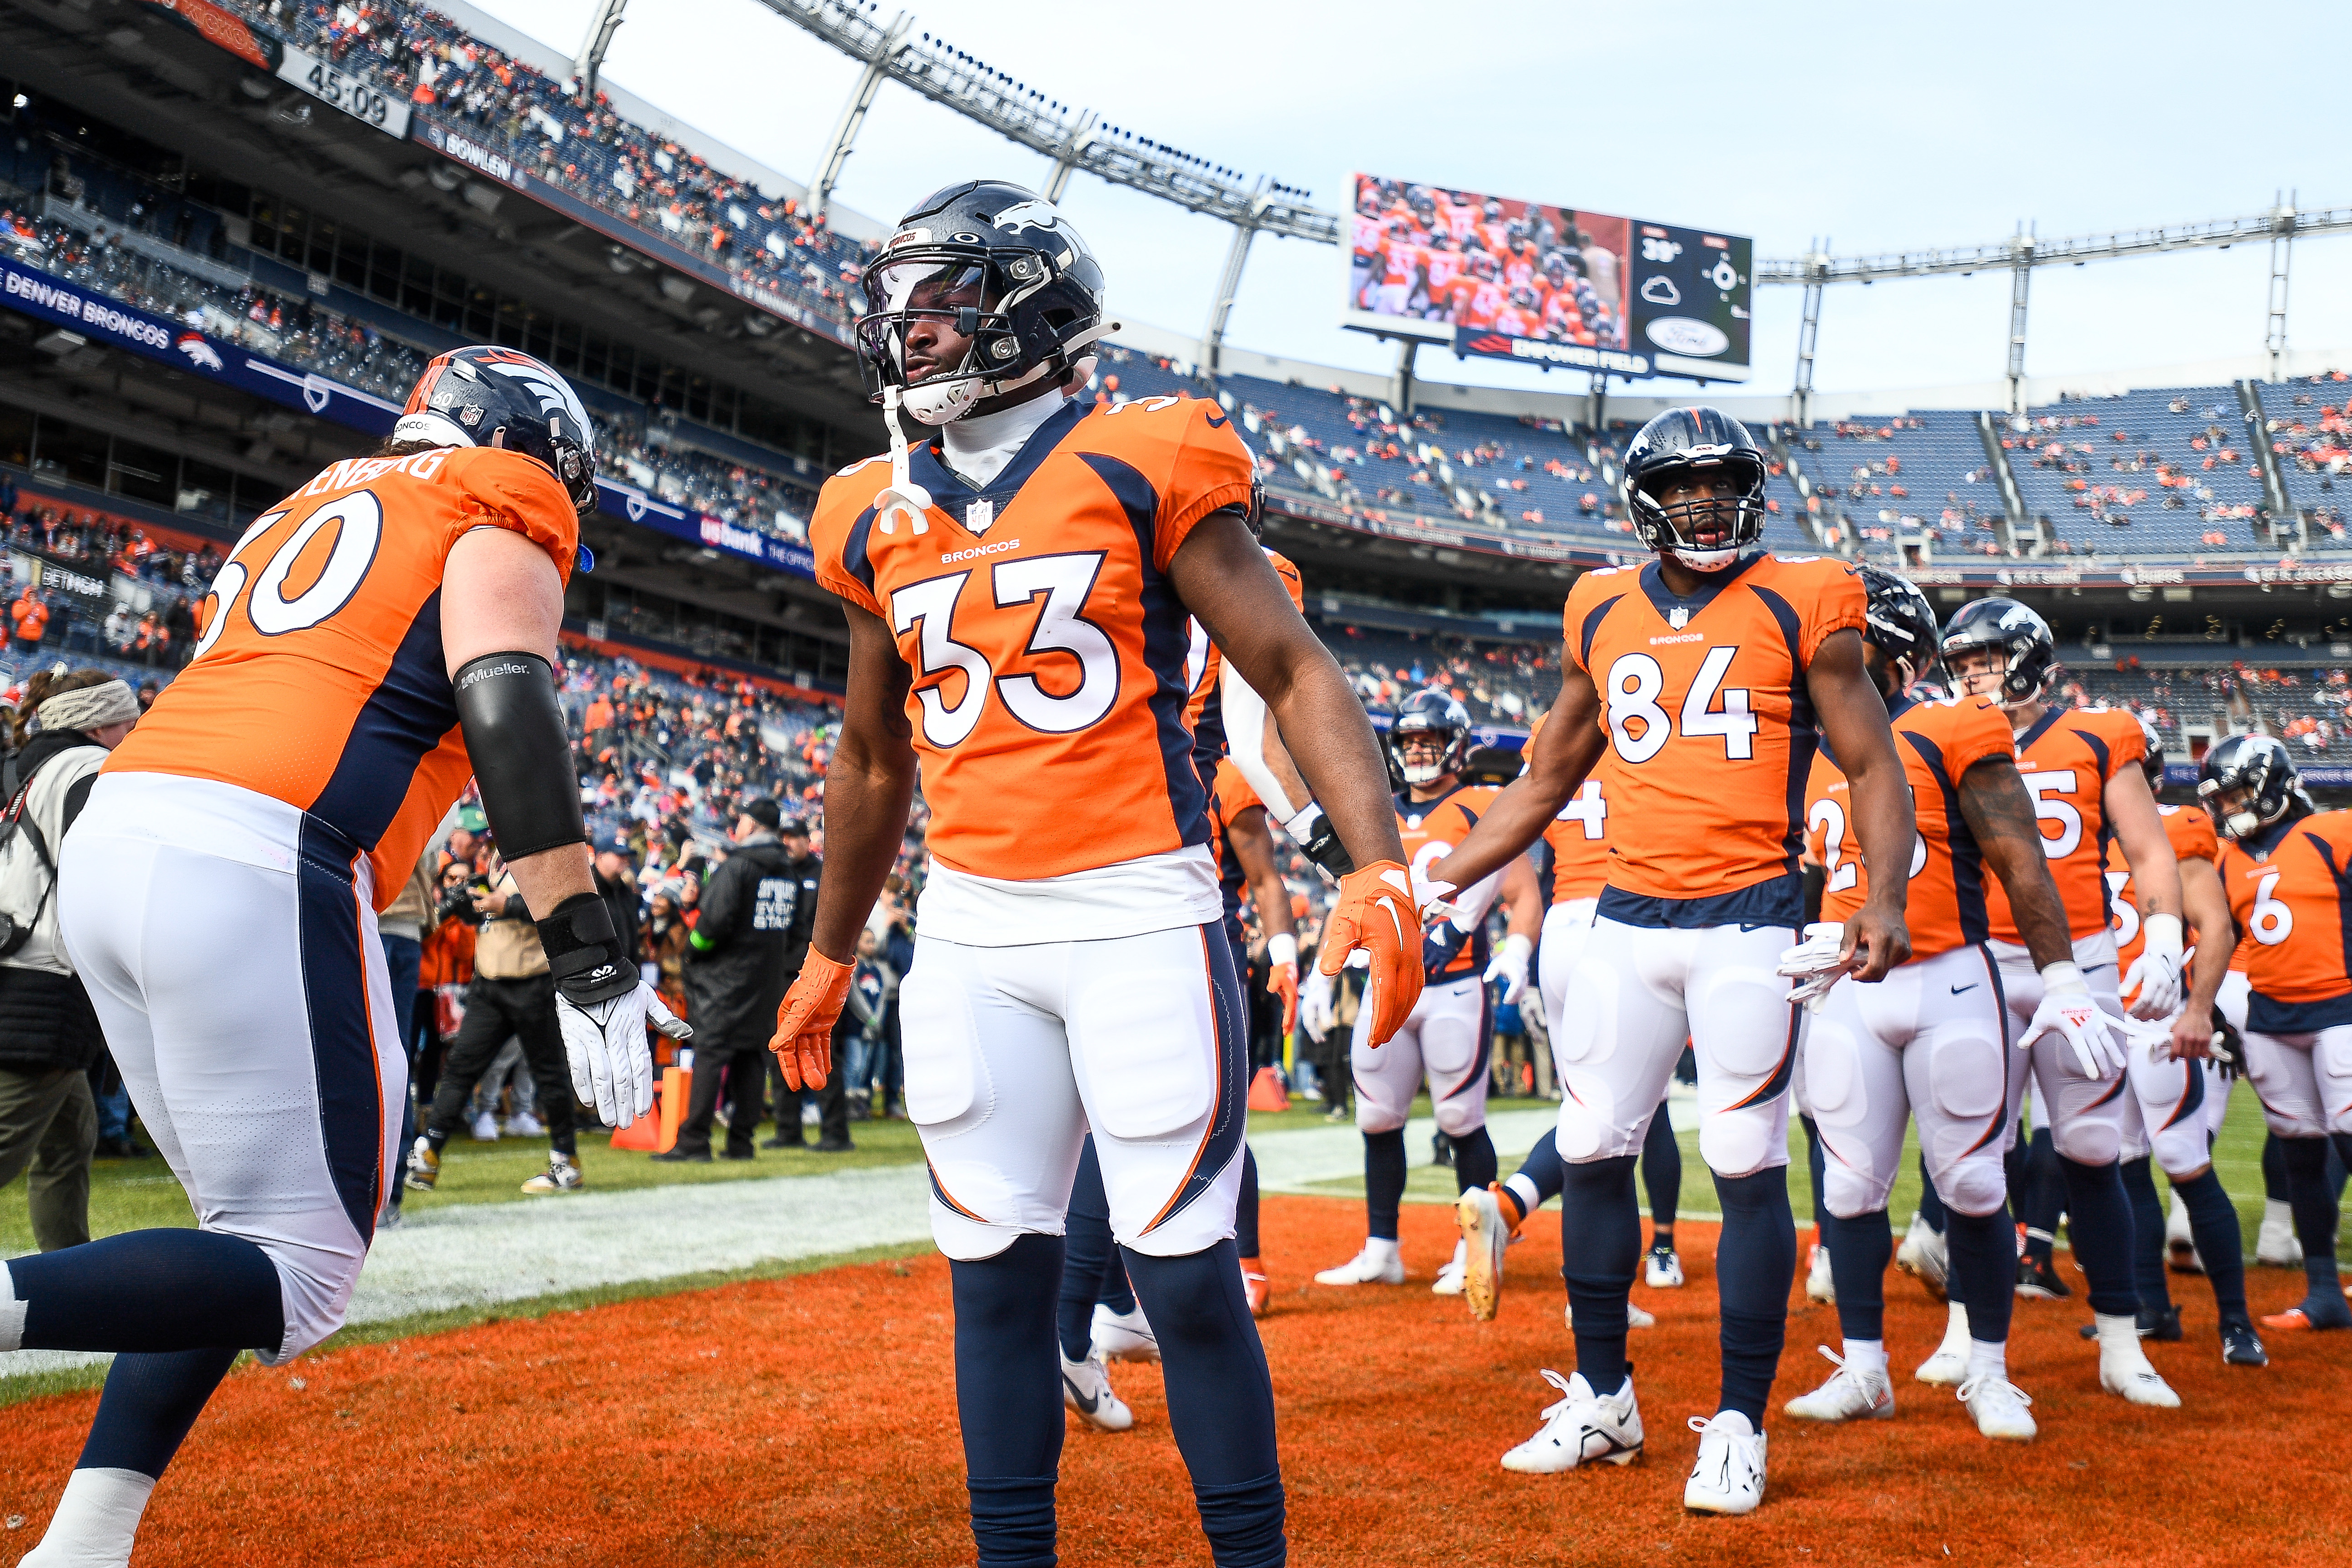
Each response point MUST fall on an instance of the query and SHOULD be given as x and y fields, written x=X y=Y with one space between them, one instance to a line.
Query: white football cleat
x=1729 y=1477
x=1635 y=1318
x=1848 y=1395
x=1819 y=1286
x=1124 y=1336
x=1999 y=1407
x=2179 y=1243
x=1923 y=1257
x=1085 y=1388
x=1580 y=1429
x=2275 y=1245
x=1948 y=1367
x=1663 y=1270
x=1378 y=1263
x=1450 y=1280
x=1485 y=1238
x=2133 y=1377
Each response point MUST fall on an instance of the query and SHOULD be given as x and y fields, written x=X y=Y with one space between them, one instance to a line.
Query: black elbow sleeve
x=522 y=759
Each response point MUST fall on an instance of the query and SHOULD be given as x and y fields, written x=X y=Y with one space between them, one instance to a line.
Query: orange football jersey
x=2294 y=906
x=1036 y=615
x=1710 y=731
x=1204 y=664
x=1938 y=741
x=1430 y=830
x=2191 y=833
x=1579 y=835
x=2066 y=759
x=319 y=678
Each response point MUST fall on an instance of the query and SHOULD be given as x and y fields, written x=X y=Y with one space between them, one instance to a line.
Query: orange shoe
x=2288 y=1322
x=1255 y=1288
x=2317 y=1312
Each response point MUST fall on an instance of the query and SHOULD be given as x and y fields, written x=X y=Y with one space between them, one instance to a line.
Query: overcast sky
x=1879 y=126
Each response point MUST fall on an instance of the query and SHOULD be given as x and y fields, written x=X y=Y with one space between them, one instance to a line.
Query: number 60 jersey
x=1047 y=644
x=1711 y=732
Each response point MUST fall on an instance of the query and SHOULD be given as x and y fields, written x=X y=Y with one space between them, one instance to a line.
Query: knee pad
x=1743 y=1141
x=1846 y=1192
x=1462 y=1115
x=2092 y=1140
x=1588 y=1116
x=1975 y=1187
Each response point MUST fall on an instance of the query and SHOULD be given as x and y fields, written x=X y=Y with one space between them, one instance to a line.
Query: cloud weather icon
x=1660 y=290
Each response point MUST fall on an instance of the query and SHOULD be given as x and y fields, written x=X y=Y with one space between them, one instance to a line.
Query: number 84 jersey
x=1047 y=644
x=1711 y=732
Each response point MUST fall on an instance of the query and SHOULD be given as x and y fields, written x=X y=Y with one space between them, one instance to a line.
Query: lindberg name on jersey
x=347 y=472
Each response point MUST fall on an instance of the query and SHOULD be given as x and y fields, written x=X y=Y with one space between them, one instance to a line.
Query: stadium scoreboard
x=1505 y=278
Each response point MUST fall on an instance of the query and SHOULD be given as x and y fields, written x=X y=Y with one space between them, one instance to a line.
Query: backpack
x=15 y=821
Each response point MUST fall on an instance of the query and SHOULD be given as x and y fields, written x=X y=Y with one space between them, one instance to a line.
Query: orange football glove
x=804 y=1038
x=1376 y=912
x=1282 y=960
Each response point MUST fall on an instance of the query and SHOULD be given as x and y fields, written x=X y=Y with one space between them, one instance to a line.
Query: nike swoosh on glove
x=2155 y=974
x=1375 y=915
x=1816 y=963
x=804 y=1021
x=605 y=1042
x=2069 y=1011
x=1510 y=966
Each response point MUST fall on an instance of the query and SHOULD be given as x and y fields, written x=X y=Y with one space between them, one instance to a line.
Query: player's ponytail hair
x=44 y=685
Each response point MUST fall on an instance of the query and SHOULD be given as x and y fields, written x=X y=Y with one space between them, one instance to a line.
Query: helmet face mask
x=1899 y=623
x=1995 y=629
x=1427 y=721
x=2247 y=783
x=1694 y=487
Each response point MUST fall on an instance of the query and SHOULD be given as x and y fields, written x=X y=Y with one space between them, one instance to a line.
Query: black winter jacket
x=737 y=966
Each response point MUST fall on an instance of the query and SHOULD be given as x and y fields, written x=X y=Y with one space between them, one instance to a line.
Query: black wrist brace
x=583 y=951
x=522 y=758
x=1323 y=847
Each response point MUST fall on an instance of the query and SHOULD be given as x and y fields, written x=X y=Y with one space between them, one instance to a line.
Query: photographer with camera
x=49 y=1037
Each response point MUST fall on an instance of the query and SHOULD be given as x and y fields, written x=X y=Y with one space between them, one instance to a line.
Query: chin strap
x=904 y=494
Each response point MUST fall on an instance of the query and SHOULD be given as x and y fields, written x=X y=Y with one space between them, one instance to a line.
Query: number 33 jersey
x=319 y=678
x=1710 y=731
x=1046 y=646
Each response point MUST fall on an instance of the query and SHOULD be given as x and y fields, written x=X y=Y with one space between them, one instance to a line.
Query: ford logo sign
x=1681 y=335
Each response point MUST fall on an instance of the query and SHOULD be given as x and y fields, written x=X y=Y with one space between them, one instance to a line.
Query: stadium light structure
x=2022 y=252
x=602 y=25
x=1073 y=140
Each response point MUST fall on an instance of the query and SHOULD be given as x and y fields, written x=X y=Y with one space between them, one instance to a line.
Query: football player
x=1016 y=588
x=1706 y=674
x=375 y=639
x=2284 y=866
x=1446 y=1040
x=2081 y=768
x=2179 y=1098
x=1930 y=1041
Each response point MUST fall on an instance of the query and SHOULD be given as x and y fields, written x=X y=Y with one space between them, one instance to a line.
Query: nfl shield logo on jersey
x=979 y=515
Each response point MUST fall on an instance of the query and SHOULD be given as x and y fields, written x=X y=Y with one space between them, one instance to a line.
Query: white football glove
x=1315 y=1001
x=1814 y=963
x=2155 y=974
x=1429 y=893
x=612 y=1064
x=1510 y=966
x=2069 y=1010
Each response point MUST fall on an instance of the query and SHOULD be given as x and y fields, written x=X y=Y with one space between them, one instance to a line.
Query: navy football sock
x=152 y=1292
x=1220 y=1399
x=2099 y=1224
x=1009 y=1393
x=1599 y=1243
x=1754 y=1262
x=2147 y=1234
x=1662 y=1172
x=1983 y=1249
x=1475 y=1164
x=2221 y=1245
x=2314 y=1198
x=1089 y=1261
x=2275 y=1186
x=1931 y=1202
x=1245 y=1208
x=1816 y=1171
x=1860 y=1249
x=150 y=1403
x=1543 y=1170
x=2043 y=1196
x=1384 y=1182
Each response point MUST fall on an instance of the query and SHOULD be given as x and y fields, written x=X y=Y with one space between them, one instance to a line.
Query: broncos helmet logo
x=1029 y=214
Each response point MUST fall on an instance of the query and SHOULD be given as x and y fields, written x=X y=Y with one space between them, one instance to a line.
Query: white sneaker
x=1580 y=1429
x=1124 y=1336
x=2275 y=1245
x=1848 y=1395
x=1085 y=1388
x=1663 y=1269
x=1819 y=1286
x=1377 y=1264
x=1485 y=1238
x=1998 y=1406
x=1450 y=1279
x=2126 y=1370
x=486 y=1128
x=2179 y=1242
x=523 y=1124
x=1948 y=1367
x=1729 y=1477
x=1923 y=1257
x=1635 y=1318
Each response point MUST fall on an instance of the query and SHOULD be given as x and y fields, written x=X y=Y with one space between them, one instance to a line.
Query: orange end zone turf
x=813 y=1419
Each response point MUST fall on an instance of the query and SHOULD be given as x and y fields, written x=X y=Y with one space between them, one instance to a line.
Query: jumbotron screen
x=1545 y=284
